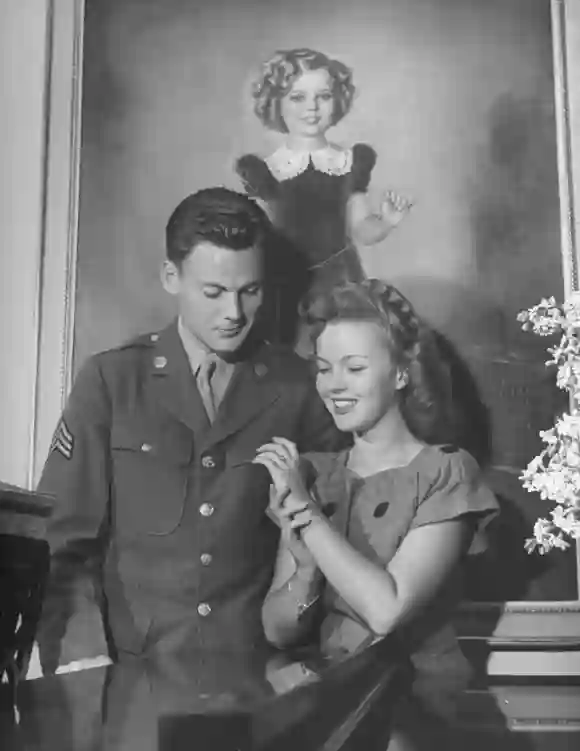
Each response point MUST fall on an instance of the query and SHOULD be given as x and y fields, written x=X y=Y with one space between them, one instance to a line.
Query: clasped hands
x=291 y=506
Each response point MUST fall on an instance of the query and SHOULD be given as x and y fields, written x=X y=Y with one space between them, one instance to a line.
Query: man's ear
x=170 y=277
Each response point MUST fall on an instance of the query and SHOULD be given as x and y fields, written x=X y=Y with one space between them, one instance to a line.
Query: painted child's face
x=357 y=377
x=308 y=107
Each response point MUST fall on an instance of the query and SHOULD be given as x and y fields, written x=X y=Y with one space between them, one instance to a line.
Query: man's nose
x=233 y=311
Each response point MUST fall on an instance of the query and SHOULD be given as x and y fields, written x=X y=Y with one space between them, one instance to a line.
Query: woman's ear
x=402 y=378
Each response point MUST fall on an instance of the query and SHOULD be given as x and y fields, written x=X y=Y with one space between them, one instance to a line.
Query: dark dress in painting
x=307 y=196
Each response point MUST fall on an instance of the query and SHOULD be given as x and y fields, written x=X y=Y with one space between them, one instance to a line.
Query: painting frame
x=518 y=623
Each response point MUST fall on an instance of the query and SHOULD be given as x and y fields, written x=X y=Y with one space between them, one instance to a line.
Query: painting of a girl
x=314 y=190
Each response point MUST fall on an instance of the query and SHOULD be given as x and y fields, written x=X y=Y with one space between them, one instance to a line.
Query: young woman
x=314 y=190
x=375 y=536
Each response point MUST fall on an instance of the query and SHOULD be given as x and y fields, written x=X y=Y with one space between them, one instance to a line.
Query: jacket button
x=206 y=559
x=206 y=509
x=203 y=609
x=207 y=462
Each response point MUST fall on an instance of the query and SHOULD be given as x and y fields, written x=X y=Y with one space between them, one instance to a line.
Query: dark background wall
x=457 y=98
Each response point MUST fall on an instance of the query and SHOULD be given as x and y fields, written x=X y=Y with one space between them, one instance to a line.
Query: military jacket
x=172 y=503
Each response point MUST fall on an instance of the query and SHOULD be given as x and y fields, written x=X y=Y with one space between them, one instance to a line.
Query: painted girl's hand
x=394 y=208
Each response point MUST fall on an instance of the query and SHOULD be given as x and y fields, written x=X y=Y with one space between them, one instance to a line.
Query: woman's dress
x=375 y=514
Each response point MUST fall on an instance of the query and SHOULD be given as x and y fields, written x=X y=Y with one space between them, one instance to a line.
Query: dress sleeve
x=364 y=158
x=257 y=179
x=458 y=490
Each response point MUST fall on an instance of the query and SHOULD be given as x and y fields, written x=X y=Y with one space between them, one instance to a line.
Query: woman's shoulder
x=451 y=484
x=450 y=457
x=443 y=466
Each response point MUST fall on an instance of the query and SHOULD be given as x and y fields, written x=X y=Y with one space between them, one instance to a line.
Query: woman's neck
x=306 y=143
x=386 y=445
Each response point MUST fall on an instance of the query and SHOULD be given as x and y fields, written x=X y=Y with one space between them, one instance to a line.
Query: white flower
x=555 y=473
x=572 y=456
x=569 y=426
x=564 y=519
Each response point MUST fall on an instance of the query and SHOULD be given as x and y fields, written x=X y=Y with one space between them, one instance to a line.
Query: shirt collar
x=195 y=350
x=286 y=163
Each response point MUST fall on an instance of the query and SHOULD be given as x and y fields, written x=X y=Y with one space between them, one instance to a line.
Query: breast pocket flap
x=171 y=445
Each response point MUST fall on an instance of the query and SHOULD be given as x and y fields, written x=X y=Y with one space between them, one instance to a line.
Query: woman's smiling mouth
x=342 y=406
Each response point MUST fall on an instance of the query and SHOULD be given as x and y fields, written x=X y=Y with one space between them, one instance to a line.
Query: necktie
x=204 y=375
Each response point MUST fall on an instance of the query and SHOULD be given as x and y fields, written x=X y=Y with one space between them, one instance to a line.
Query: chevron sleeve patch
x=63 y=440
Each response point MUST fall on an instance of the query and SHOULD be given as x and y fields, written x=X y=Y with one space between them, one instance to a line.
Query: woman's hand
x=282 y=461
x=291 y=506
x=302 y=556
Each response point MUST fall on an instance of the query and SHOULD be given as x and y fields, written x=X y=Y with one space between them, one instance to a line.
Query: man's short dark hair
x=216 y=215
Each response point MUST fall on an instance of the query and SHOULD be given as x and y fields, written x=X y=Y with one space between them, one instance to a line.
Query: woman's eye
x=212 y=293
x=325 y=97
x=356 y=368
x=296 y=97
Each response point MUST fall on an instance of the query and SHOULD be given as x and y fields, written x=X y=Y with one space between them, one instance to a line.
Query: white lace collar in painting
x=286 y=163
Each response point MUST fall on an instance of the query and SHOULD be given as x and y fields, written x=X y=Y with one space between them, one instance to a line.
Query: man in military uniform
x=151 y=460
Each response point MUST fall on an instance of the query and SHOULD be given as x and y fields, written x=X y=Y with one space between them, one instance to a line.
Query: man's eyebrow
x=220 y=286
